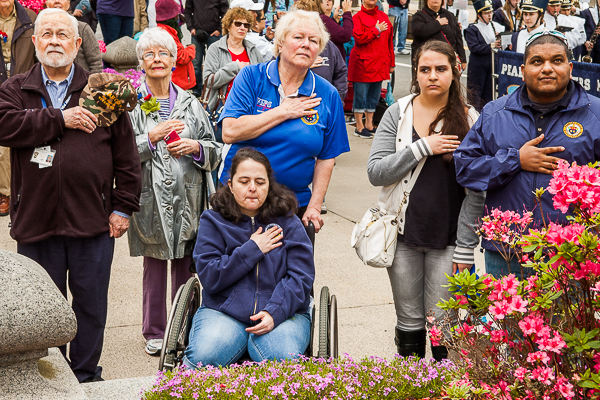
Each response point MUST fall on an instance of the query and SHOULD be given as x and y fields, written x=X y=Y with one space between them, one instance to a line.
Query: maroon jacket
x=92 y=173
x=339 y=34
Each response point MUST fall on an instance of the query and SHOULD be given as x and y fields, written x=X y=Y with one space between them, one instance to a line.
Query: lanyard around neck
x=64 y=105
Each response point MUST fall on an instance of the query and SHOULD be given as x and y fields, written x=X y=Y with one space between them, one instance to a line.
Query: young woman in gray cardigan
x=436 y=227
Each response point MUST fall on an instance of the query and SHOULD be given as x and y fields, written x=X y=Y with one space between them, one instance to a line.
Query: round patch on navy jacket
x=310 y=119
x=573 y=129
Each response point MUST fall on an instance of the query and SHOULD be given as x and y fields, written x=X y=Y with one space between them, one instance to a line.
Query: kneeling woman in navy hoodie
x=254 y=261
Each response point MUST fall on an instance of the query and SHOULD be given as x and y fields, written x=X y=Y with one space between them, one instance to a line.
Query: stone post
x=34 y=316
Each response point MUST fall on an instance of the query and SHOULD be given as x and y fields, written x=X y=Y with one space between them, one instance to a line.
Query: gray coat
x=173 y=190
x=218 y=62
x=89 y=56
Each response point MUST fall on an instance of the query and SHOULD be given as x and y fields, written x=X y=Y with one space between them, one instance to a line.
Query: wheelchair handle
x=310 y=231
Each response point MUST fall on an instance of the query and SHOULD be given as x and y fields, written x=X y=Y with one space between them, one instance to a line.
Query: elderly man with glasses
x=76 y=178
x=515 y=145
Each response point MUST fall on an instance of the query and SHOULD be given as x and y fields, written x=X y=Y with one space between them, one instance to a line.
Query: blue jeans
x=218 y=339
x=198 y=60
x=366 y=96
x=400 y=26
x=496 y=265
x=115 y=27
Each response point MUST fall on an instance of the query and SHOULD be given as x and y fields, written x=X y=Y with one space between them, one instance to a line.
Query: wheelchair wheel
x=324 y=351
x=333 y=328
x=185 y=304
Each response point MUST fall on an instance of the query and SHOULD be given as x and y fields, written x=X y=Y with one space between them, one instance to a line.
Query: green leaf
x=538 y=254
x=150 y=106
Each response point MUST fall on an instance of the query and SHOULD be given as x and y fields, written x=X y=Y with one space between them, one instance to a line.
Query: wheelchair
x=188 y=300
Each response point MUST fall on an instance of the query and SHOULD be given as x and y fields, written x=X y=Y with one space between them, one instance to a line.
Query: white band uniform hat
x=247 y=4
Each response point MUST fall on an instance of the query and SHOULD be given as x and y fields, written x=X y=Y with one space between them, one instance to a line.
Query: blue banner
x=510 y=77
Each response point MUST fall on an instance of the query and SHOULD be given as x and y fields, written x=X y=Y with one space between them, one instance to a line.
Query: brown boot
x=4 y=205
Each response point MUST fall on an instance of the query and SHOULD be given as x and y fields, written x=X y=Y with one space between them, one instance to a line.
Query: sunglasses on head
x=556 y=34
x=238 y=24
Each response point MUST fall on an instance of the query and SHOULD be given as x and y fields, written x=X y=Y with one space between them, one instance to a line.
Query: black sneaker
x=364 y=134
x=94 y=378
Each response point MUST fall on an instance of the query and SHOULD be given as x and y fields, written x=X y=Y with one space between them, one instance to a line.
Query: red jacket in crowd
x=184 y=75
x=373 y=53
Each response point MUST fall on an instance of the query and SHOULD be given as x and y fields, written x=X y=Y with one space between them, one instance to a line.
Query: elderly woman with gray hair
x=177 y=150
x=287 y=112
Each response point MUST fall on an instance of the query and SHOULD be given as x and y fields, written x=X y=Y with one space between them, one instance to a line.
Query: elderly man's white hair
x=155 y=37
x=48 y=12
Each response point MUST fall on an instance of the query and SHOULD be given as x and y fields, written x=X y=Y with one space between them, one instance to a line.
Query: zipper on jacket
x=103 y=198
x=257 y=264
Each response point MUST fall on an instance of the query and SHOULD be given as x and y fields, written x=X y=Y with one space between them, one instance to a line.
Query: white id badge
x=44 y=156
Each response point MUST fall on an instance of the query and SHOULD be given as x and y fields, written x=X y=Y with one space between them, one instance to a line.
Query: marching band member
x=566 y=9
x=509 y=16
x=481 y=37
x=592 y=45
x=554 y=20
x=533 y=15
x=461 y=15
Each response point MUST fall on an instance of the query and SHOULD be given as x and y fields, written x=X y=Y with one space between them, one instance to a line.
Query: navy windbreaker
x=239 y=280
x=488 y=157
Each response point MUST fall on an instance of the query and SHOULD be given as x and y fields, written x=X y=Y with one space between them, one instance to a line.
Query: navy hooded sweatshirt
x=239 y=280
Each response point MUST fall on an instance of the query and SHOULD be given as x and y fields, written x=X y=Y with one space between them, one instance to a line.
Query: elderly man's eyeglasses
x=151 y=55
x=239 y=23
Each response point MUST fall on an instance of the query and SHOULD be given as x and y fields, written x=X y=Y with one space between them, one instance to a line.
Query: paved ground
x=365 y=305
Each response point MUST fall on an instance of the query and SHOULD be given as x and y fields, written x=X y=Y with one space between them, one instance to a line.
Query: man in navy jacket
x=515 y=144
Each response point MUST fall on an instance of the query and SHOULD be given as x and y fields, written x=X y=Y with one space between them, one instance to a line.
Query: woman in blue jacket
x=254 y=261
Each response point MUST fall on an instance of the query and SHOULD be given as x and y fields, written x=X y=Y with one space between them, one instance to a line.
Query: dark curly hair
x=280 y=200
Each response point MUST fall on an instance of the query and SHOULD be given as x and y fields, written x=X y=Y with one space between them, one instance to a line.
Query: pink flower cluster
x=102 y=46
x=33 y=5
x=575 y=185
x=500 y=225
x=135 y=77
x=534 y=326
x=557 y=234
x=505 y=298
x=435 y=335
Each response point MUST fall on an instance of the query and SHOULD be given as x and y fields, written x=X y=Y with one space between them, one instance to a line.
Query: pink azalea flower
x=499 y=336
x=520 y=373
x=530 y=325
x=554 y=344
x=565 y=388
x=543 y=374
x=538 y=356
x=435 y=335
x=518 y=304
x=500 y=309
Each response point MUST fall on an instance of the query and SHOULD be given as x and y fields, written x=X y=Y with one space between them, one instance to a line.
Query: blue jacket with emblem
x=240 y=281
x=488 y=157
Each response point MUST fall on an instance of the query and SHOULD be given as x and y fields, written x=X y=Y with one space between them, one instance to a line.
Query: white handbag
x=374 y=237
